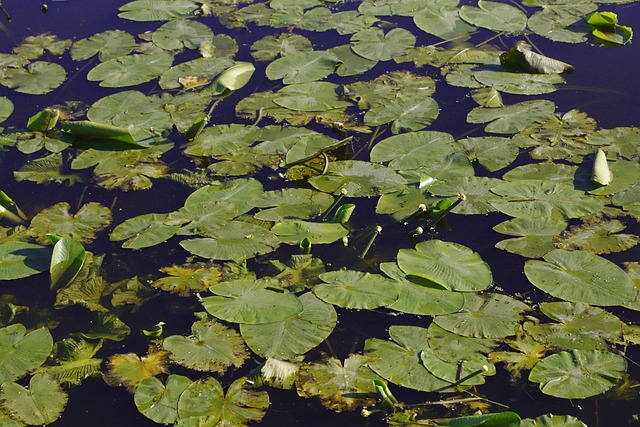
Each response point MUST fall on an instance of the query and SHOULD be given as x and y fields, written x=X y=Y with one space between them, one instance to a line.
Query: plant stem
x=325 y=214
x=434 y=221
x=375 y=234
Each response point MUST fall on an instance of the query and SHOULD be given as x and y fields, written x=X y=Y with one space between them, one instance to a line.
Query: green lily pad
x=240 y=192
x=302 y=67
x=495 y=16
x=237 y=239
x=375 y=45
x=552 y=421
x=130 y=70
x=513 y=118
x=107 y=45
x=488 y=315
x=249 y=301
x=188 y=278
x=450 y=265
x=340 y=386
x=39 y=404
x=408 y=113
x=443 y=22
x=130 y=369
x=600 y=237
x=202 y=218
x=6 y=108
x=272 y=46
x=562 y=22
x=452 y=347
x=399 y=362
x=492 y=152
x=89 y=220
x=158 y=401
x=143 y=231
x=350 y=63
x=578 y=374
x=18 y=260
x=293 y=232
x=313 y=96
x=413 y=150
x=22 y=352
x=477 y=190
x=38 y=78
x=543 y=199
x=358 y=178
x=212 y=347
x=35 y=46
x=290 y=203
x=157 y=10
x=535 y=235
x=179 y=33
x=519 y=83
x=581 y=277
x=421 y=300
x=193 y=74
x=454 y=371
x=356 y=290
x=297 y=335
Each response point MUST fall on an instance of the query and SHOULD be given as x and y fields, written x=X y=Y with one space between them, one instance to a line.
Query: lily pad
x=270 y=47
x=581 y=277
x=212 y=347
x=6 y=108
x=41 y=403
x=358 y=178
x=157 y=10
x=38 y=78
x=340 y=386
x=286 y=339
x=237 y=239
x=450 y=265
x=519 y=83
x=600 y=237
x=495 y=16
x=179 y=33
x=356 y=290
x=66 y=261
x=443 y=22
x=130 y=70
x=240 y=192
x=578 y=374
x=107 y=45
x=89 y=220
x=375 y=45
x=535 y=235
x=302 y=67
x=143 y=231
x=313 y=96
x=413 y=150
x=188 y=278
x=249 y=301
x=293 y=232
x=513 y=118
x=158 y=401
x=19 y=260
x=291 y=203
x=22 y=352
x=408 y=113
x=399 y=361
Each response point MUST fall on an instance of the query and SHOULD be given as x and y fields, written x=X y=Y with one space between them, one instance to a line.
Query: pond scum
x=281 y=230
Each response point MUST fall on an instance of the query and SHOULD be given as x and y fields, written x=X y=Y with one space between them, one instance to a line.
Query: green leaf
x=212 y=347
x=581 y=277
x=488 y=315
x=90 y=129
x=522 y=58
x=340 y=386
x=408 y=113
x=535 y=235
x=83 y=226
x=44 y=120
x=293 y=232
x=413 y=150
x=291 y=203
x=296 y=335
x=501 y=419
x=360 y=179
x=159 y=402
x=130 y=70
x=249 y=301
x=519 y=83
x=495 y=16
x=143 y=231
x=450 y=265
x=38 y=78
x=399 y=361
x=302 y=67
x=179 y=33
x=22 y=352
x=6 y=108
x=375 y=45
x=314 y=96
x=107 y=45
x=513 y=118
x=130 y=370
x=553 y=421
x=66 y=261
x=240 y=192
x=442 y=22
x=157 y=10
x=202 y=218
x=597 y=237
x=578 y=374
x=18 y=260
x=52 y=168
x=39 y=404
x=356 y=290
x=562 y=22
x=272 y=46
x=236 y=240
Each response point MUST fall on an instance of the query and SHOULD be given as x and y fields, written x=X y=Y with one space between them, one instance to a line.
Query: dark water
x=604 y=85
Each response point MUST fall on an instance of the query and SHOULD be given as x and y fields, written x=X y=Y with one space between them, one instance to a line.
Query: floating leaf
x=443 y=22
x=107 y=45
x=488 y=315
x=535 y=235
x=513 y=118
x=289 y=203
x=597 y=238
x=452 y=347
x=413 y=150
x=212 y=347
x=234 y=77
x=22 y=352
x=6 y=108
x=552 y=421
x=157 y=10
x=249 y=301
x=375 y=45
x=314 y=96
x=83 y=226
x=359 y=178
x=39 y=404
x=74 y=361
x=130 y=70
x=19 y=260
x=35 y=46
x=179 y=33
x=581 y=277
x=237 y=239
x=37 y=79
x=159 y=402
x=408 y=113
x=522 y=58
x=302 y=67
x=130 y=369
x=452 y=372
x=399 y=361
x=519 y=83
x=529 y=353
x=237 y=191
x=450 y=265
x=143 y=231
x=293 y=232
x=562 y=22
x=578 y=374
x=476 y=189
x=495 y=16
x=272 y=46
x=291 y=337
x=340 y=387
x=188 y=279
x=356 y=290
